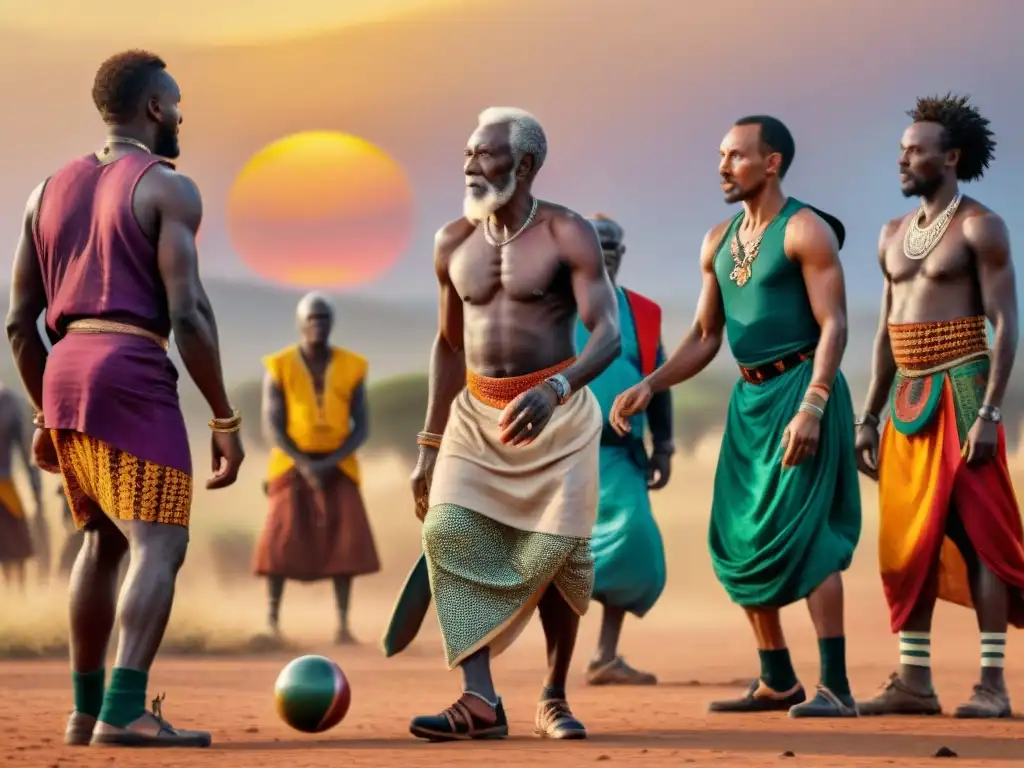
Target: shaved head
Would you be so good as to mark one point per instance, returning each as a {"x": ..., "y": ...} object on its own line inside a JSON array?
[
  {"x": 313, "y": 303},
  {"x": 315, "y": 318}
]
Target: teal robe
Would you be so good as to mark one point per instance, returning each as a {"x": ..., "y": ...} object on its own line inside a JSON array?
[{"x": 629, "y": 555}]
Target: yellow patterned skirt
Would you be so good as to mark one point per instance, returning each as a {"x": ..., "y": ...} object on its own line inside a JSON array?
[{"x": 101, "y": 479}]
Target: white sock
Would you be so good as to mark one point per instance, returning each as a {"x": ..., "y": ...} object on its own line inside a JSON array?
[
  {"x": 993, "y": 649},
  {"x": 916, "y": 649}
]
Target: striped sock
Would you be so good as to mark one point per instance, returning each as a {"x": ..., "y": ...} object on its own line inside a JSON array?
[
  {"x": 993, "y": 649},
  {"x": 916, "y": 649}
]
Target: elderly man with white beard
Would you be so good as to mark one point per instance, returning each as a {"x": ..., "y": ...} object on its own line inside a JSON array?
[{"x": 506, "y": 481}]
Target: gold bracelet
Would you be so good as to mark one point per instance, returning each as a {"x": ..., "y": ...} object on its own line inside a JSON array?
[
  {"x": 428, "y": 439},
  {"x": 38, "y": 420},
  {"x": 231, "y": 424}
]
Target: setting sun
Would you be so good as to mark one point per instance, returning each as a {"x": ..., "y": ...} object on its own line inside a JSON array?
[{"x": 320, "y": 209}]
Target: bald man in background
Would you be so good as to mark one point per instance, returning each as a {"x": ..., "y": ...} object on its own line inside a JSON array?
[{"x": 315, "y": 413}]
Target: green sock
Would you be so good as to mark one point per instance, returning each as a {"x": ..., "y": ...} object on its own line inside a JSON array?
[
  {"x": 125, "y": 700},
  {"x": 833, "y": 665},
  {"x": 777, "y": 670},
  {"x": 88, "y": 688}
]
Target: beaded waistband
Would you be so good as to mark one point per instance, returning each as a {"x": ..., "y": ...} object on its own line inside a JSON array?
[
  {"x": 498, "y": 393},
  {"x": 98, "y": 325},
  {"x": 920, "y": 349}
]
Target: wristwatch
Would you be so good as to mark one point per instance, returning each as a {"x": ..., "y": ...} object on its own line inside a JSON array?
[
  {"x": 990, "y": 413},
  {"x": 866, "y": 419},
  {"x": 560, "y": 384}
]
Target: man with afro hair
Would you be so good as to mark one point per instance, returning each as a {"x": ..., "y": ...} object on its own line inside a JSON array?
[{"x": 950, "y": 527}]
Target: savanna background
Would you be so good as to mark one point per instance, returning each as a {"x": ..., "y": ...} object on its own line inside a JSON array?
[{"x": 635, "y": 97}]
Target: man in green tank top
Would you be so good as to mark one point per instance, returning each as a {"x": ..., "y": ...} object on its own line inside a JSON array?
[{"x": 786, "y": 514}]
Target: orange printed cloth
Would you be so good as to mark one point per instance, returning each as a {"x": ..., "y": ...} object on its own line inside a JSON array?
[
  {"x": 100, "y": 479},
  {"x": 923, "y": 476}
]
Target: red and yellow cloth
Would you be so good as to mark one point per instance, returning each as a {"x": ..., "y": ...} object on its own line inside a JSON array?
[{"x": 942, "y": 374}]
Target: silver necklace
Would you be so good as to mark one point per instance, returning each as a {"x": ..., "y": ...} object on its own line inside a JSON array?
[
  {"x": 919, "y": 241},
  {"x": 126, "y": 140},
  {"x": 529, "y": 220}
]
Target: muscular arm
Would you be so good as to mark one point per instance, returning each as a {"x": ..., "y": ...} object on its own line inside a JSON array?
[
  {"x": 990, "y": 241},
  {"x": 595, "y": 298},
  {"x": 28, "y": 300},
  {"x": 812, "y": 244},
  {"x": 659, "y": 415},
  {"x": 702, "y": 342},
  {"x": 275, "y": 420},
  {"x": 181, "y": 211},
  {"x": 883, "y": 366},
  {"x": 447, "y": 357}
]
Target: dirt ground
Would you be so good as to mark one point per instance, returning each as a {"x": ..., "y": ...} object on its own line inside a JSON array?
[
  {"x": 698, "y": 644},
  {"x": 660, "y": 726}
]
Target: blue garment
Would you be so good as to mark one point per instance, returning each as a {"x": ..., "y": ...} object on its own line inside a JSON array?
[{"x": 629, "y": 555}]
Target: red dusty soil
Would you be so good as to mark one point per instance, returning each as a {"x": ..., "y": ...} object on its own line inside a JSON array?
[{"x": 661, "y": 726}]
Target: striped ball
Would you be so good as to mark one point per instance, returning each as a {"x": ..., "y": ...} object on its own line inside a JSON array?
[{"x": 312, "y": 694}]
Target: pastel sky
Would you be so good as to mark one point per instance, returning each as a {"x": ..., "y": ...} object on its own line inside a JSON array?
[
  {"x": 635, "y": 96},
  {"x": 199, "y": 21}
]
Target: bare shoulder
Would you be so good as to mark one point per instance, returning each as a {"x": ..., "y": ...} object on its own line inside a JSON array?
[
  {"x": 983, "y": 228},
  {"x": 448, "y": 238},
  {"x": 169, "y": 190},
  {"x": 34, "y": 199},
  {"x": 806, "y": 227},
  {"x": 891, "y": 228},
  {"x": 575, "y": 237},
  {"x": 712, "y": 240}
]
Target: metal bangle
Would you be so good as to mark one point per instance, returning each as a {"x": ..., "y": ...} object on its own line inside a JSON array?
[
  {"x": 812, "y": 409},
  {"x": 866, "y": 419}
]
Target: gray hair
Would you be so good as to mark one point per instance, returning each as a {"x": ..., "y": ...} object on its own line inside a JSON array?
[
  {"x": 308, "y": 302},
  {"x": 608, "y": 230},
  {"x": 525, "y": 132}
]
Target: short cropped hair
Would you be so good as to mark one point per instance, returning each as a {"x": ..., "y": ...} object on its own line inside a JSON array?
[{"x": 122, "y": 82}]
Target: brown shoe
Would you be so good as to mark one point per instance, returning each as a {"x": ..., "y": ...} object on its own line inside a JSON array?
[
  {"x": 986, "y": 702},
  {"x": 618, "y": 672},
  {"x": 897, "y": 698},
  {"x": 79, "y": 730},
  {"x": 150, "y": 730},
  {"x": 556, "y": 721},
  {"x": 760, "y": 698}
]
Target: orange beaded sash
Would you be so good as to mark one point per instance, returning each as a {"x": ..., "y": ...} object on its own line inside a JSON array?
[
  {"x": 920, "y": 349},
  {"x": 498, "y": 393}
]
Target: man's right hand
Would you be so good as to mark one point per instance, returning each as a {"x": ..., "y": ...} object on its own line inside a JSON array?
[
  {"x": 866, "y": 447},
  {"x": 227, "y": 456},
  {"x": 422, "y": 477},
  {"x": 44, "y": 452},
  {"x": 631, "y": 402}
]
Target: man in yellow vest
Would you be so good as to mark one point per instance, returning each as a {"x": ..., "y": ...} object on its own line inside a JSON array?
[{"x": 315, "y": 412}]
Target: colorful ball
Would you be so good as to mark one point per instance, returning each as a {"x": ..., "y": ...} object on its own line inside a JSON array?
[{"x": 312, "y": 694}]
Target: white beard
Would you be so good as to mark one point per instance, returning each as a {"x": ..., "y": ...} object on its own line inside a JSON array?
[{"x": 478, "y": 208}]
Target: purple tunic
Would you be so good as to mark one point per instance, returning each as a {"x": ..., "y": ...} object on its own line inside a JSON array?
[{"x": 98, "y": 263}]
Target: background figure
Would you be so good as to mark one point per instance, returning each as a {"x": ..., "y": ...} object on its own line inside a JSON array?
[
  {"x": 315, "y": 412},
  {"x": 16, "y": 544},
  {"x": 629, "y": 556}
]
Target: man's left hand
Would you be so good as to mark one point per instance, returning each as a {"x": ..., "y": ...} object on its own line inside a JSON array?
[
  {"x": 525, "y": 417},
  {"x": 800, "y": 439},
  {"x": 659, "y": 469},
  {"x": 982, "y": 442}
]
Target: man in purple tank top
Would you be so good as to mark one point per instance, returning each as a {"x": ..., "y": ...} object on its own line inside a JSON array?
[{"x": 108, "y": 251}]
